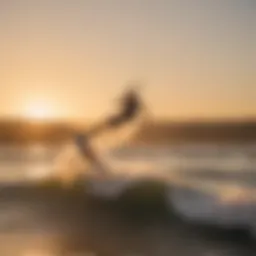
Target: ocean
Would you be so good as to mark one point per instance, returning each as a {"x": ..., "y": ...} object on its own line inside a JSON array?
[{"x": 189, "y": 199}]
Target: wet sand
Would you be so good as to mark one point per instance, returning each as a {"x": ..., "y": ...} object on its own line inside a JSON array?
[{"x": 48, "y": 220}]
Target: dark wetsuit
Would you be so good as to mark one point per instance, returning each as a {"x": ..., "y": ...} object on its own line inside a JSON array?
[{"x": 131, "y": 107}]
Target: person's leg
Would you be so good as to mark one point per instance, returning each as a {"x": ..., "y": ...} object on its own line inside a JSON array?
[{"x": 89, "y": 154}]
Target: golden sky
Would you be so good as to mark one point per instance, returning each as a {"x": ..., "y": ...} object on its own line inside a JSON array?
[{"x": 70, "y": 58}]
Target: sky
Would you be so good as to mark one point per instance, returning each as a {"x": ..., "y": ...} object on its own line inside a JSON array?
[{"x": 70, "y": 58}]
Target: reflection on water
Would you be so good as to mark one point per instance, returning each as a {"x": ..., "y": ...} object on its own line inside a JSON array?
[
  {"x": 205, "y": 184},
  {"x": 57, "y": 222},
  {"x": 204, "y": 158}
]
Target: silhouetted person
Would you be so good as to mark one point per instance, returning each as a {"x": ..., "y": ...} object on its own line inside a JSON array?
[{"x": 130, "y": 108}]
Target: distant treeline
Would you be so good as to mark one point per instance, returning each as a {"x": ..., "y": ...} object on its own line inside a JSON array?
[
  {"x": 22, "y": 132},
  {"x": 167, "y": 132},
  {"x": 155, "y": 133}
]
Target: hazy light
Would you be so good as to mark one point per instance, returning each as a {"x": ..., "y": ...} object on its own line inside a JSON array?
[
  {"x": 36, "y": 253},
  {"x": 38, "y": 110}
]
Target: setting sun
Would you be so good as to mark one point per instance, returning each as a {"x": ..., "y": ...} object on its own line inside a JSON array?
[{"x": 38, "y": 110}]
